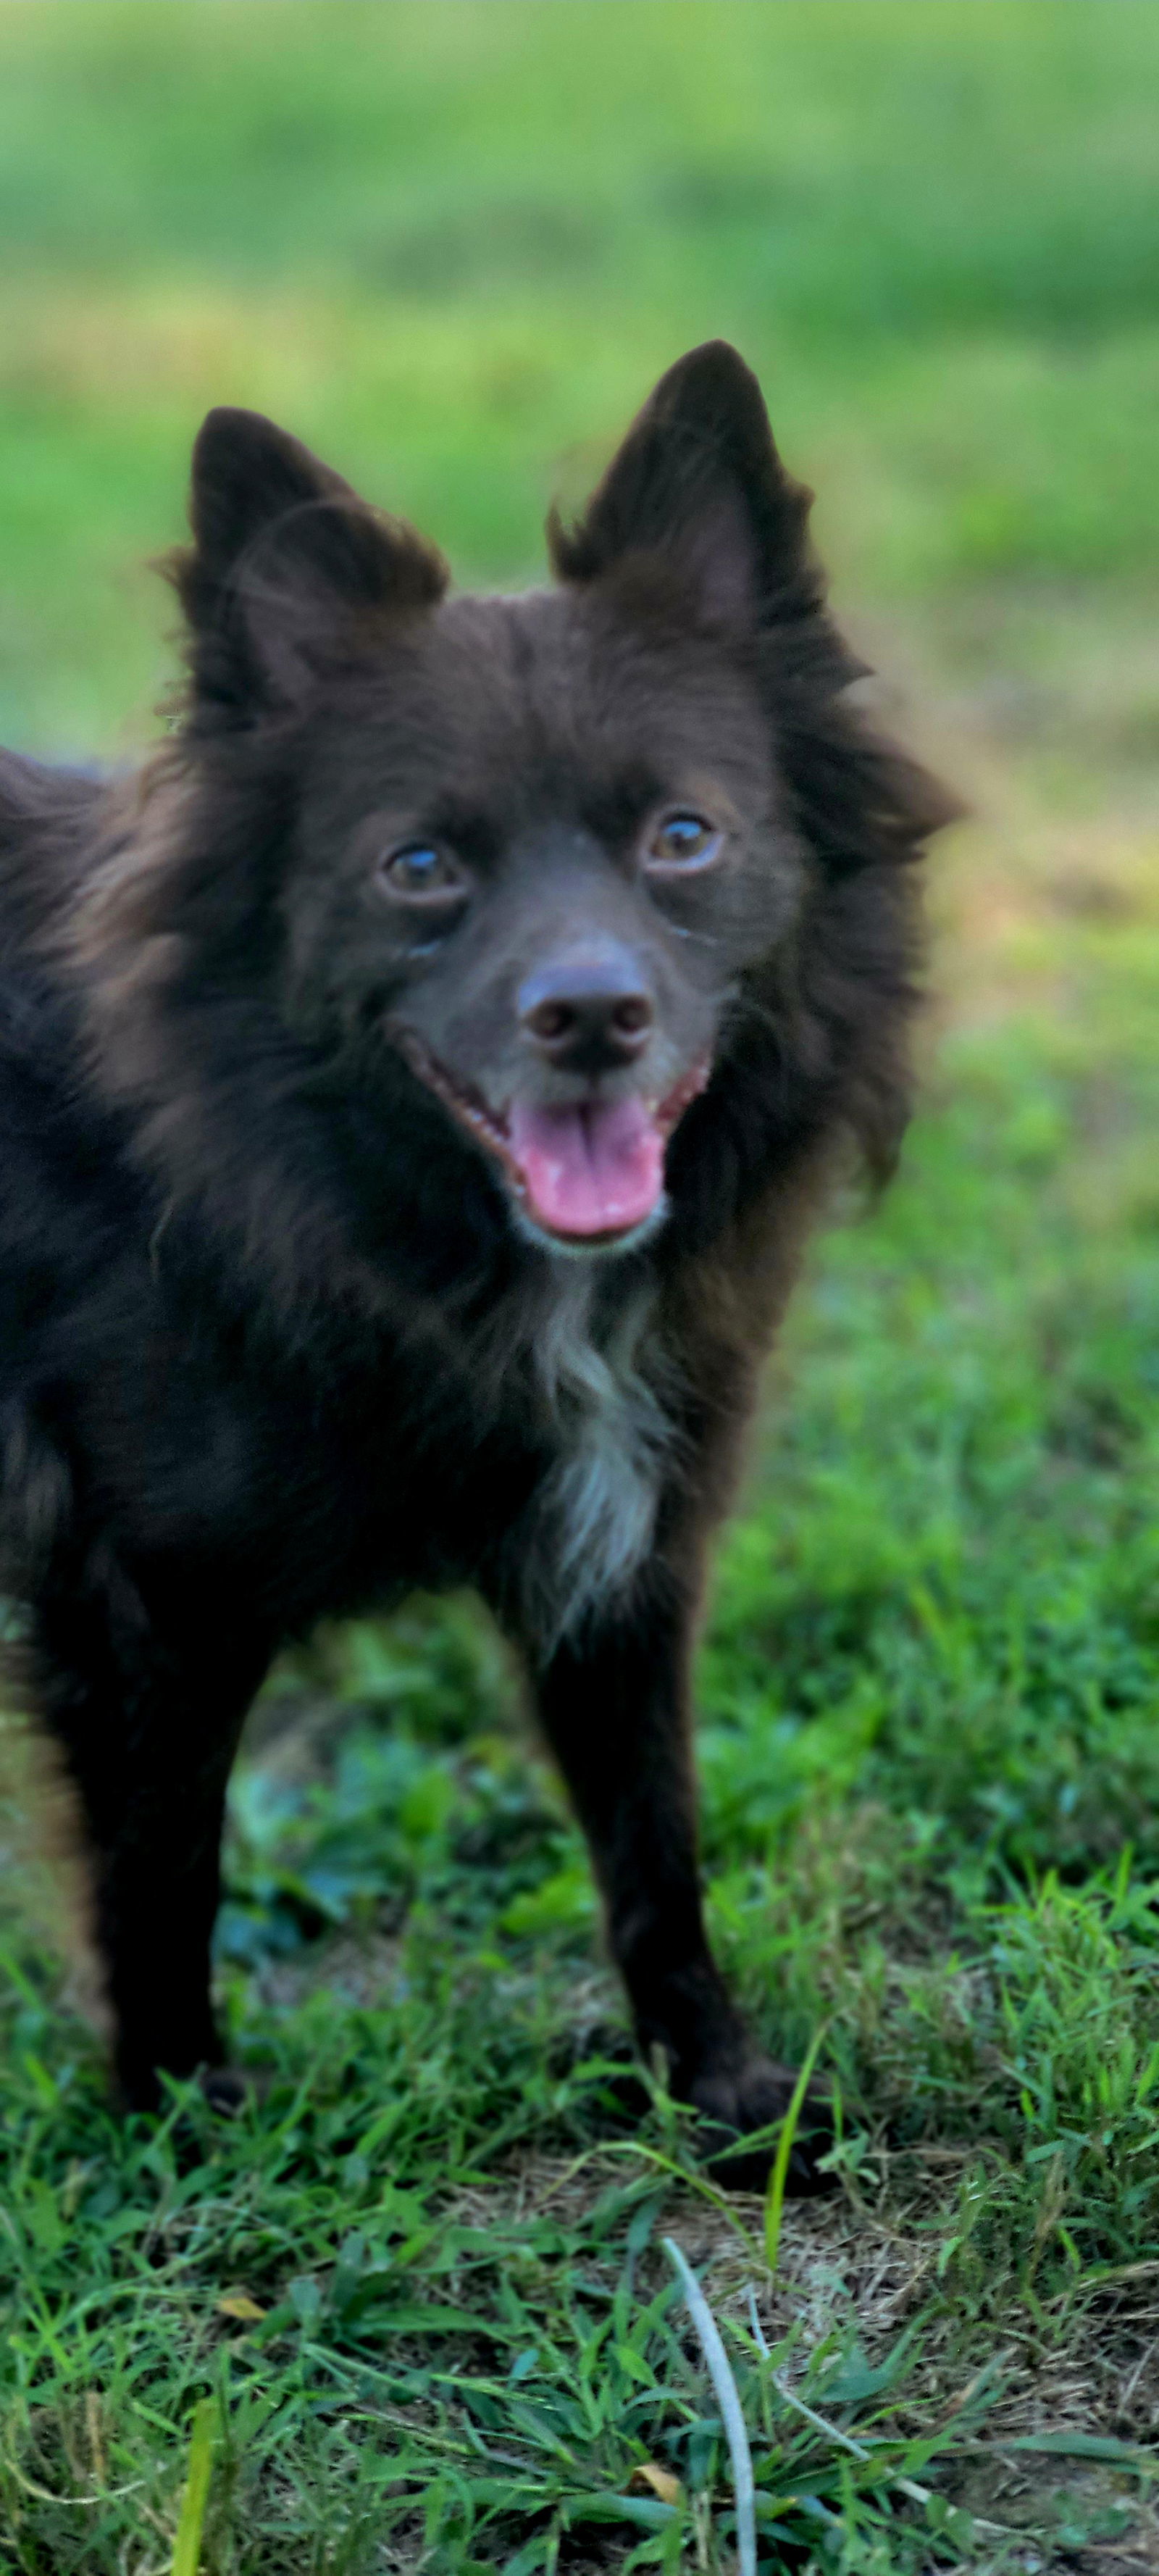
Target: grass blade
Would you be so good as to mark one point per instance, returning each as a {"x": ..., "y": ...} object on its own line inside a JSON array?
[
  {"x": 720, "y": 2373},
  {"x": 775, "y": 2194},
  {"x": 191, "y": 2520}
]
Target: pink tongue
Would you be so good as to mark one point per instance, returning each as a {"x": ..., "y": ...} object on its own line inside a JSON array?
[{"x": 592, "y": 1170}]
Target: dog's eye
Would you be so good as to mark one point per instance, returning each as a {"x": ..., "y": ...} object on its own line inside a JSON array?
[
  {"x": 421, "y": 873},
  {"x": 683, "y": 841}
]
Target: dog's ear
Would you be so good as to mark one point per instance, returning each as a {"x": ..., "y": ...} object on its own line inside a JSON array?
[
  {"x": 698, "y": 487},
  {"x": 288, "y": 568}
]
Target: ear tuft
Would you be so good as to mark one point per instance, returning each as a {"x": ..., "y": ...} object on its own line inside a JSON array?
[
  {"x": 698, "y": 485},
  {"x": 286, "y": 562}
]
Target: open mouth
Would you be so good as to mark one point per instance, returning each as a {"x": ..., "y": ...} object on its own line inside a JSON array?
[{"x": 585, "y": 1170}]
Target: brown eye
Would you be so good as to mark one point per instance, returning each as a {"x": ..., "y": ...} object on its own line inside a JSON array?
[
  {"x": 420, "y": 873},
  {"x": 683, "y": 841}
]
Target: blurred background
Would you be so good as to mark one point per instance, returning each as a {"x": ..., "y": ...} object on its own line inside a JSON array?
[{"x": 452, "y": 244}]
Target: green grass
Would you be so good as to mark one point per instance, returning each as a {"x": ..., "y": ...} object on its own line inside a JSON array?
[{"x": 412, "y": 2310}]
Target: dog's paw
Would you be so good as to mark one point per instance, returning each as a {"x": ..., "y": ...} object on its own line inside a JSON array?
[{"x": 735, "y": 2102}]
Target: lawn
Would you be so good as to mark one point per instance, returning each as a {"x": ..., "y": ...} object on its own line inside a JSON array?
[{"x": 413, "y": 2310}]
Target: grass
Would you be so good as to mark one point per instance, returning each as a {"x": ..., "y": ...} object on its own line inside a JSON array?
[{"x": 413, "y": 2309}]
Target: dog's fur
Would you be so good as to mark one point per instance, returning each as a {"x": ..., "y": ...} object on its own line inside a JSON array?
[{"x": 285, "y": 1327}]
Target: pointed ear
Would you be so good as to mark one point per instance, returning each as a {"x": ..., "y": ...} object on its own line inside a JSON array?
[
  {"x": 286, "y": 568},
  {"x": 698, "y": 486}
]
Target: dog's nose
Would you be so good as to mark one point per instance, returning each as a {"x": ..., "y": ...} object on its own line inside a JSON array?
[{"x": 589, "y": 1011}]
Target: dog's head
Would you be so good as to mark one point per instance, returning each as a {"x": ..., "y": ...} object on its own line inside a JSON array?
[{"x": 535, "y": 843}]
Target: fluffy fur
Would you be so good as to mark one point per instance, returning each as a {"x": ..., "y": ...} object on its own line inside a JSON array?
[{"x": 279, "y": 1337}]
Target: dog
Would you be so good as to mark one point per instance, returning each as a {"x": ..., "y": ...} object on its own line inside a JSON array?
[{"x": 418, "y": 1083}]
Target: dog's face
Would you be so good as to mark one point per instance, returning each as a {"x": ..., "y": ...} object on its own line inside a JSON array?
[
  {"x": 536, "y": 840},
  {"x": 533, "y": 856}
]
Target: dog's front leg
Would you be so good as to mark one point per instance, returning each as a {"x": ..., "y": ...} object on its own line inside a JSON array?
[{"x": 615, "y": 1706}]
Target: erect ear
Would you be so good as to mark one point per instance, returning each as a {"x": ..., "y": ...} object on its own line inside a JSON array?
[
  {"x": 699, "y": 487},
  {"x": 287, "y": 565}
]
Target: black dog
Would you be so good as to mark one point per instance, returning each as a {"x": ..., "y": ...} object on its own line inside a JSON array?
[{"x": 416, "y": 1088}]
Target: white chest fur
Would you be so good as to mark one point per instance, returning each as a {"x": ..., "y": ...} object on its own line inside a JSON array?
[{"x": 595, "y": 1514}]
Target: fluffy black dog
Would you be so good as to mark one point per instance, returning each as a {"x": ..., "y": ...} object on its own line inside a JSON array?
[{"x": 416, "y": 1087}]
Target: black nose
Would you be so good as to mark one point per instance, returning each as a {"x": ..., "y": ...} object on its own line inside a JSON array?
[{"x": 587, "y": 1011}]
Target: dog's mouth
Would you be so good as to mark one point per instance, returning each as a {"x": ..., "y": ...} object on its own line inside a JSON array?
[{"x": 590, "y": 1170}]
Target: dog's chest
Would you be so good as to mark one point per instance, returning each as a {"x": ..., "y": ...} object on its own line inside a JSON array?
[{"x": 594, "y": 1517}]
